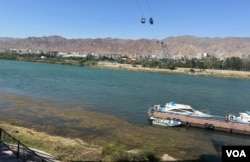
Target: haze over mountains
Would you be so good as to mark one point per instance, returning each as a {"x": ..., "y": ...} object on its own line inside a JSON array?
[{"x": 185, "y": 45}]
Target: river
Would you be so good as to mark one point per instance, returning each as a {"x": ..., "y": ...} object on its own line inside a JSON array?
[{"x": 124, "y": 94}]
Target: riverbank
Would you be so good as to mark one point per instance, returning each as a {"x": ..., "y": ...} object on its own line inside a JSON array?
[
  {"x": 187, "y": 71},
  {"x": 131, "y": 67},
  {"x": 66, "y": 149},
  {"x": 73, "y": 134}
]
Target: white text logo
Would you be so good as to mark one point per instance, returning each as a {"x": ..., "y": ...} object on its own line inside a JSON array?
[{"x": 236, "y": 153}]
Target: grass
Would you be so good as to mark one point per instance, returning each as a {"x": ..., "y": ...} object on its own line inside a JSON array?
[
  {"x": 115, "y": 151},
  {"x": 92, "y": 135},
  {"x": 66, "y": 149},
  {"x": 202, "y": 72}
]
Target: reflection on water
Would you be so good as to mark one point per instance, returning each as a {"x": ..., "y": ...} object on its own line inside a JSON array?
[{"x": 71, "y": 120}]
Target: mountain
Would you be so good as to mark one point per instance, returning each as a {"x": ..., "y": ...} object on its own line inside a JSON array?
[
  {"x": 219, "y": 47},
  {"x": 185, "y": 45}
]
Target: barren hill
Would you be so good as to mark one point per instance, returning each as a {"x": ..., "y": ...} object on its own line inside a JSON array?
[
  {"x": 219, "y": 47},
  {"x": 185, "y": 45}
]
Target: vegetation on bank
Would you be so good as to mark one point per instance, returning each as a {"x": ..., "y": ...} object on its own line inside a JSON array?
[
  {"x": 49, "y": 59},
  {"x": 231, "y": 63},
  {"x": 94, "y": 135},
  {"x": 66, "y": 149}
]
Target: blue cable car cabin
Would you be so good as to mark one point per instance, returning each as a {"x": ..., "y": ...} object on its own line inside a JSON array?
[
  {"x": 151, "y": 21},
  {"x": 143, "y": 20}
]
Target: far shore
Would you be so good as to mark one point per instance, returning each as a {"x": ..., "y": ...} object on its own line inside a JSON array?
[
  {"x": 178, "y": 70},
  {"x": 201, "y": 72}
]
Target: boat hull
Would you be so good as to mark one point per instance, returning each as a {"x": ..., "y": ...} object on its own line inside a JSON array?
[
  {"x": 166, "y": 122},
  {"x": 189, "y": 114}
]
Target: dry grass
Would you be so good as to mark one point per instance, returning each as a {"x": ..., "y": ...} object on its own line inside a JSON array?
[
  {"x": 206, "y": 72},
  {"x": 66, "y": 149}
]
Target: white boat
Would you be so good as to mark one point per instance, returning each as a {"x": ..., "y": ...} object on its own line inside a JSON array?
[
  {"x": 243, "y": 118},
  {"x": 166, "y": 122},
  {"x": 181, "y": 109}
]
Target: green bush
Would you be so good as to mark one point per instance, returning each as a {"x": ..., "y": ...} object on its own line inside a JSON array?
[
  {"x": 192, "y": 71},
  {"x": 116, "y": 152}
]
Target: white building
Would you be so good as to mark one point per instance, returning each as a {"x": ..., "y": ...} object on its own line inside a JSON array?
[{"x": 201, "y": 56}]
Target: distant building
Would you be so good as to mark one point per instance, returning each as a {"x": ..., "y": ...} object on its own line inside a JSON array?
[
  {"x": 13, "y": 51},
  {"x": 245, "y": 56},
  {"x": 53, "y": 53},
  {"x": 201, "y": 56}
]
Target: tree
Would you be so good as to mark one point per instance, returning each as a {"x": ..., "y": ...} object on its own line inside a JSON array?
[
  {"x": 201, "y": 65},
  {"x": 246, "y": 65},
  {"x": 213, "y": 63},
  {"x": 233, "y": 63}
]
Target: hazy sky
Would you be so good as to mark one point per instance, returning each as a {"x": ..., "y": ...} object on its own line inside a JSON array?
[{"x": 121, "y": 18}]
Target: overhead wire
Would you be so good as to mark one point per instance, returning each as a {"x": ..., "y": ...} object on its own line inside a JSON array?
[
  {"x": 149, "y": 8},
  {"x": 163, "y": 46},
  {"x": 152, "y": 15},
  {"x": 145, "y": 6},
  {"x": 160, "y": 49},
  {"x": 138, "y": 6}
]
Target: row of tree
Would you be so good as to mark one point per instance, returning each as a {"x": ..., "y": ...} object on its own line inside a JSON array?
[{"x": 231, "y": 63}]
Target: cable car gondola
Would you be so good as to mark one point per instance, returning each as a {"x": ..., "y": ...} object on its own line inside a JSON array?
[
  {"x": 151, "y": 21},
  {"x": 143, "y": 20}
]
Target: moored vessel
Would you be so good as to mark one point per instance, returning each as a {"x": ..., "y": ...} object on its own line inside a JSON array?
[
  {"x": 207, "y": 123},
  {"x": 166, "y": 122},
  {"x": 180, "y": 109},
  {"x": 243, "y": 118}
]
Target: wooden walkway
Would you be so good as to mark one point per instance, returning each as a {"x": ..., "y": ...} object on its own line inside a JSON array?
[
  {"x": 7, "y": 155},
  {"x": 206, "y": 123},
  {"x": 12, "y": 150}
]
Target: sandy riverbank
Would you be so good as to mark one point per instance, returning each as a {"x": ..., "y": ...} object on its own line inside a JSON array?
[{"x": 202, "y": 72}]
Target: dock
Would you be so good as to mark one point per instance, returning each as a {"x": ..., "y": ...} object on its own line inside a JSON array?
[{"x": 206, "y": 123}]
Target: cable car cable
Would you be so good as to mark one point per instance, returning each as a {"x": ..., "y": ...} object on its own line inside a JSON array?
[{"x": 143, "y": 19}]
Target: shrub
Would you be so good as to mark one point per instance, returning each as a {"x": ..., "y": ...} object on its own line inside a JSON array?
[{"x": 192, "y": 71}]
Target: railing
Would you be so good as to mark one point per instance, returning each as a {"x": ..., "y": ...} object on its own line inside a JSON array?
[{"x": 22, "y": 152}]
